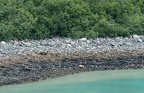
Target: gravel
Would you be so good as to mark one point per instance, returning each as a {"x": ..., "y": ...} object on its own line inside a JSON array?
[{"x": 67, "y": 45}]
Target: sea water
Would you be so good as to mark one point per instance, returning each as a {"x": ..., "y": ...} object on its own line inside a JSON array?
[{"x": 116, "y": 81}]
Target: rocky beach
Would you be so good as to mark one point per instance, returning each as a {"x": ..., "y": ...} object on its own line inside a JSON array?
[{"x": 32, "y": 60}]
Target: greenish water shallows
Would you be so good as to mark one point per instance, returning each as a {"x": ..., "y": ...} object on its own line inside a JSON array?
[{"x": 117, "y": 81}]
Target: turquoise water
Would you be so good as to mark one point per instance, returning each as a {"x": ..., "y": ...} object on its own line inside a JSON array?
[{"x": 117, "y": 81}]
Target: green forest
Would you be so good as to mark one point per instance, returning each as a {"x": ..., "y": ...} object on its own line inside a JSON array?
[{"x": 40, "y": 19}]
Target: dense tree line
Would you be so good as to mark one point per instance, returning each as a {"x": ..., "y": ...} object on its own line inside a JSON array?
[{"x": 39, "y": 19}]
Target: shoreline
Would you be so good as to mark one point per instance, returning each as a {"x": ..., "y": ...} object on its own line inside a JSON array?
[
  {"x": 32, "y": 60},
  {"x": 33, "y": 70}
]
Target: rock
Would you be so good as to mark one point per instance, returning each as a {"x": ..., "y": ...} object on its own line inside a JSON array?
[
  {"x": 81, "y": 66},
  {"x": 100, "y": 46},
  {"x": 140, "y": 40},
  {"x": 3, "y": 42},
  {"x": 28, "y": 44},
  {"x": 26, "y": 40},
  {"x": 129, "y": 44},
  {"x": 113, "y": 44},
  {"x": 51, "y": 44},
  {"x": 68, "y": 41},
  {"x": 43, "y": 53},
  {"x": 69, "y": 45},
  {"x": 44, "y": 43},
  {"x": 72, "y": 42},
  {"x": 135, "y": 36},
  {"x": 83, "y": 39}
]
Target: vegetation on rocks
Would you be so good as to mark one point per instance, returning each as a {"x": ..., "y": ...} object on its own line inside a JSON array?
[{"x": 39, "y": 19}]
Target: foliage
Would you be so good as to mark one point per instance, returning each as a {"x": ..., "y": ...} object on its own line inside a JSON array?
[{"x": 39, "y": 19}]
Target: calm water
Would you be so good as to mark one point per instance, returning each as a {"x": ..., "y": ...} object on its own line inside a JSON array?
[{"x": 118, "y": 81}]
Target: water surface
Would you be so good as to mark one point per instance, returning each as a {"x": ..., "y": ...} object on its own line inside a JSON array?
[{"x": 117, "y": 81}]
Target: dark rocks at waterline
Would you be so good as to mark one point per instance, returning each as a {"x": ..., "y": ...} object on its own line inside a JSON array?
[{"x": 37, "y": 70}]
